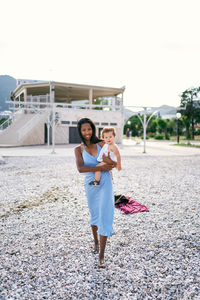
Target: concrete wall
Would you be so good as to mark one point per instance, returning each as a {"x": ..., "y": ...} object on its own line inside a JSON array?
[
  {"x": 98, "y": 116},
  {"x": 62, "y": 134},
  {"x": 36, "y": 135}
]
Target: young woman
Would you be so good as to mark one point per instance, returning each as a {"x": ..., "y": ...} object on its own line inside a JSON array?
[{"x": 101, "y": 200}]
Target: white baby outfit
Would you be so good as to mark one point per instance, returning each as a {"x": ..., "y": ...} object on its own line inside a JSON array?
[{"x": 104, "y": 150}]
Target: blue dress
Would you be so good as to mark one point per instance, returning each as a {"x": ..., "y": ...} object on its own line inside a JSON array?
[{"x": 100, "y": 199}]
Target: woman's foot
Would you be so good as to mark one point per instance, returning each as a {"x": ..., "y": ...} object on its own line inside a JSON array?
[
  {"x": 95, "y": 182},
  {"x": 96, "y": 249}
]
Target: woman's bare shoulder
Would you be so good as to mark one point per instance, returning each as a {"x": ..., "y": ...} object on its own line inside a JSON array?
[{"x": 78, "y": 149}]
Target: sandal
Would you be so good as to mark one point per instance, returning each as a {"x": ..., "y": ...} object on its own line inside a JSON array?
[
  {"x": 101, "y": 264},
  {"x": 95, "y": 182},
  {"x": 96, "y": 249}
]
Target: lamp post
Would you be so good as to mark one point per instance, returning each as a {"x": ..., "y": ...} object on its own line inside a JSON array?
[
  {"x": 178, "y": 116},
  {"x": 145, "y": 120},
  {"x": 145, "y": 124}
]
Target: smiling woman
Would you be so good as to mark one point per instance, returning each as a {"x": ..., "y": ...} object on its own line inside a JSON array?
[{"x": 101, "y": 199}]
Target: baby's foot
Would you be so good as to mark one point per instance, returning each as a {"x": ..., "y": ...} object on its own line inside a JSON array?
[{"x": 95, "y": 182}]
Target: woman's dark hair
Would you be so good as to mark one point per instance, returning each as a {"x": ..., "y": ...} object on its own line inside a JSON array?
[{"x": 94, "y": 139}]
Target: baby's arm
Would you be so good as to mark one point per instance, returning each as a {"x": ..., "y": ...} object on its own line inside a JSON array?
[{"x": 118, "y": 156}]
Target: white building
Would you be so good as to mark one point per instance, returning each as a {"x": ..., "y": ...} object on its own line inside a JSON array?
[{"x": 36, "y": 105}]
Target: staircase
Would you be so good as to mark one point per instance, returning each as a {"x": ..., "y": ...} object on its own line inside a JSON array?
[{"x": 25, "y": 129}]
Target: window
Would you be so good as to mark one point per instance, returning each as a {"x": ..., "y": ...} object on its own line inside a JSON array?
[
  {"x": 104, "y": 124},
  {"x": 113, "y": 124},
  {"x": 74, "y": 122},
  {"x": 65, "y": 122}
]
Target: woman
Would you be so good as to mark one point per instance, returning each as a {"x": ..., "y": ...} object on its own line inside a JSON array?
[{"x": 100, "y": 199}]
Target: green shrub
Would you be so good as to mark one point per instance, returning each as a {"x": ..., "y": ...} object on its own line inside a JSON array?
[
  {"x": 197, "y": 132},
  {"x": 2, "y": 121},
  {"x": 167, "y": 136},
  {"x": 159, "y": 137},
  {"x": 151, "y": 135}
]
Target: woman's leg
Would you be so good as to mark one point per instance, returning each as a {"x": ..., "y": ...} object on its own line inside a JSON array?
[
  {"x": 96, "y": 241},
  {"x": 103, "y": 240}
]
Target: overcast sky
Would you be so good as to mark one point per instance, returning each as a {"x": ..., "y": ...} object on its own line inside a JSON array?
[{"x": 152, "y": 47}]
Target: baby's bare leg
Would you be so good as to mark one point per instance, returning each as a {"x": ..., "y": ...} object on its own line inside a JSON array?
[{"x": 97, "y": 174}]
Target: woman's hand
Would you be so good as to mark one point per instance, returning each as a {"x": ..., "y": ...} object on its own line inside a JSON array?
[{"x": 107, "y": 160}]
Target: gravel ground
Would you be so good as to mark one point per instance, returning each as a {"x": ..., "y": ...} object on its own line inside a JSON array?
[{"x": 46, "y": 242}]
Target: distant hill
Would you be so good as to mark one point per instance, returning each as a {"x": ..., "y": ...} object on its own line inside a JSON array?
[
  {"x": 7, "y": 85},
  {"x": 166, "y": 111}
]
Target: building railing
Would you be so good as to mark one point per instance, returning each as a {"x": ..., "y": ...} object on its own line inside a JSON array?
[
  {"x": 34, "y": 106},
  {"x": 39, "y": 98},
  {"x": 39, "y": 107}
]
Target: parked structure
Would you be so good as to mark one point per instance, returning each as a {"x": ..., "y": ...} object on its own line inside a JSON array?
[{"x": 47, "y": 112}]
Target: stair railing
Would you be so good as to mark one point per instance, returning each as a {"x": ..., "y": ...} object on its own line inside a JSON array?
[
  {"x": 5, "y": 124},
  {"x": 9, "y": 121}
]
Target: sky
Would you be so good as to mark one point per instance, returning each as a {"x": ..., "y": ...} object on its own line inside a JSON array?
[{"x": 151, "y": 47}]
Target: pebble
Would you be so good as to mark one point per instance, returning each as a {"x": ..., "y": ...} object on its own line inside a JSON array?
[
  {"x": 46, "y": 242},
  {"x": 2, "y": 161}
]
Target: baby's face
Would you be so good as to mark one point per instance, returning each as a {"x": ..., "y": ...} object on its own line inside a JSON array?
[{"x": 109, "y": 137}]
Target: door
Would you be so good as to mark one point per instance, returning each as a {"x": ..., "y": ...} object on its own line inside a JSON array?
[
  {"x": 46, "y": 134},
  {"x": 74, "y": 137}
]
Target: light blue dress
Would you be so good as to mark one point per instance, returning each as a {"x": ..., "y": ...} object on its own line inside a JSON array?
[{"x": 100, "y": 198}]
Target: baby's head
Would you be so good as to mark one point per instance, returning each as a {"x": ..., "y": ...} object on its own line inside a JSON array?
[{"x": 108, "y": 134}]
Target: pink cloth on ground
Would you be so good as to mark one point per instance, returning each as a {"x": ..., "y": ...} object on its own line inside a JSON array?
[{"x": 131, "y": 207}]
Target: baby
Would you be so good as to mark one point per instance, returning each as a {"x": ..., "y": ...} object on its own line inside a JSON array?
[{"x": 108, "y": 134}]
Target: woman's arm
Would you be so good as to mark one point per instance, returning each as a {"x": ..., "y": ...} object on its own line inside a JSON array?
[
  {"x": 83, "y": 169},
  {"x": 108, "y": 160}
]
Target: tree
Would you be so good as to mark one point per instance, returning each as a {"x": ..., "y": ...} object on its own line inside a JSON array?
[
  {"x": 197, "y": 111},
  {"x": 171, "y": 126},
  {"x": 135, "y": 126},
  {"x": 152, "y": 126},
  {"x": 162, "y": 125},
  {"x": 191, "y": 109}
]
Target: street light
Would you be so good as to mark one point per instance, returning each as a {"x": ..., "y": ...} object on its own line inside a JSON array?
[
  {"x": 178, "y": 116},
  {"x": 145, "y": 124}
]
